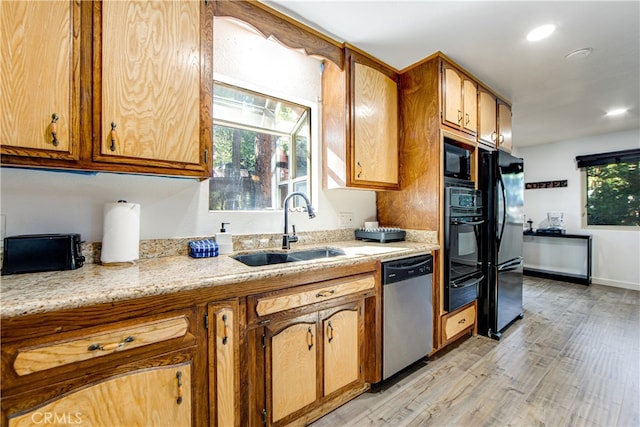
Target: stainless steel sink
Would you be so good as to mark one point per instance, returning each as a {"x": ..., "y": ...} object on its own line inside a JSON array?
[{"x": 267, "y": 258}]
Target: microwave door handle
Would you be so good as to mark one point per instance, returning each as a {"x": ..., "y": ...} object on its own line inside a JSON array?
[{"x": 467, "y": 283}]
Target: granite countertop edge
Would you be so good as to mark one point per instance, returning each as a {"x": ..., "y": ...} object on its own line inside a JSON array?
[{"x": 34, "y": 293}]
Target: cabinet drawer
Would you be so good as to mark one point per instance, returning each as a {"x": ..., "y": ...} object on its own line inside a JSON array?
[
  {"x": 458, "y": 322},
  {"x": 294, "y": 299},
  {"x": 50, "y": 355}
]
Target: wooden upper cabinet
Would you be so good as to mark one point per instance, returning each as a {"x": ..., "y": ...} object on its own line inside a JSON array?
[
  {"x": 39, "y": 72},
  {"x": 459, "y": 100},
  {"x": 360, "y": 124},
  {"x": 487, "y": 121},
  {"x": 152, "y": 78},
  {"x": 505, "y": 141}
]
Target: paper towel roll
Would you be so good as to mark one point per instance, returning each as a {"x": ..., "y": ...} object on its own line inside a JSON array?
[{"x": 121, "y": 232}]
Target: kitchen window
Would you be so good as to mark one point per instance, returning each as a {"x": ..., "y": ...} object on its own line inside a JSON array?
[
  {"x": 261, "y": 150},
  {"x": 612, "y": 188}
]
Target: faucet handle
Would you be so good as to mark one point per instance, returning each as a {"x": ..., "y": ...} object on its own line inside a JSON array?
[{"x": 294, "y": 229}]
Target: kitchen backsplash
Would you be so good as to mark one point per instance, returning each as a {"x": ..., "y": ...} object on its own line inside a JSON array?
[{"x": 245, "y": 242}]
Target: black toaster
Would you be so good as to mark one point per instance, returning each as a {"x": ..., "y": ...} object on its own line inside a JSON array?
[{"x": 42, "y": 252}]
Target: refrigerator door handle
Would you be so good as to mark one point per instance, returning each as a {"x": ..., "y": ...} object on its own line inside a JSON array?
[
  {"x": 511, "y": 265},
  {"x": 467, "y": 283},
  {"x": 503, "y": 194}
]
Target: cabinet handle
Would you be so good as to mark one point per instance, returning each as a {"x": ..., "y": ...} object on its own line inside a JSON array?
[
  {"x": 359, "y": 170},
  {"x": 54, "y": 130},
  {"x": 461, "y": 321},
  {"x": 114, "y": 136},
  {"x": 467, "y": 118},
  {"x": 179, "y": 378},
  {"x": 226, "y": 330},
  {"x": 330, "y": 332},
  {"x": 501, "y": 139},
  {"x": 493, "y": 136},
  {"x": 310, "y": 338},
  {"x": 109, "y": 347},
  {"x": 325, "y": 294},
  {"x": 459, "y": 116}
]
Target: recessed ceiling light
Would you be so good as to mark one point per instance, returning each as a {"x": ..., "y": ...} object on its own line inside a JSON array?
[
  {"x": 617, "y": 112},
  {"x": 541, "y": 32},
  {"x": 579, "y": 53}
]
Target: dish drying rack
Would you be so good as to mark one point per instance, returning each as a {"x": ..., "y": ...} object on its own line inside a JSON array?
[{"x": 380, "y": 234}]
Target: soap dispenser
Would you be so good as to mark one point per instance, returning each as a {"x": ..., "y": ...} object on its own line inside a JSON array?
[{"x": 224, "y": 240}]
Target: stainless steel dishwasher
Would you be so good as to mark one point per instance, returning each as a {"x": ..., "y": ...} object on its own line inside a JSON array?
[{"x": 407, "y": 312}]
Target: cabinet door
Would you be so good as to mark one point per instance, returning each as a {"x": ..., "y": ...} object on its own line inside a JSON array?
[
  {"x": 39, "y": 72},
  {"x": 504, "y": 127},
  {"x": 452, "y": 87},
  {"x": 487, "y": 132},
  {"x": 292, "y": 364},
  {"x": 154, "y": 396},
  {"x": 470, "y": 97},
  {"x": 224, "y": 377},
  {"x": 375, "y": 123},
  {"x": 342, "y": 340},
  {"x": 151, "y": 83}
]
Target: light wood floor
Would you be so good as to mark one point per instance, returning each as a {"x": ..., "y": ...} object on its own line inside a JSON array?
[{"x": 574, "y": 360}]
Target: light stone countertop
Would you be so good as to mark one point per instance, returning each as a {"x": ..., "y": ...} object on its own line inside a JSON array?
[{"x": 32, "y": 293}]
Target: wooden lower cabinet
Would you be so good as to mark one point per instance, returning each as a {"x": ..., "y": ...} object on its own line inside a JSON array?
[
  {"x": 311, "y": 362},
  {"x": 123, "y": 370},
  {"x": 459, "y": 322},
  {"x": 159, "y": 395},
  {"x": 224, "y": 375}
]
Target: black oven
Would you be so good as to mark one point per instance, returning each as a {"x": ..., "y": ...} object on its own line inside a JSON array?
[
  {"x": 457, "y": 161},
  {"x": 462, "y": 234}
]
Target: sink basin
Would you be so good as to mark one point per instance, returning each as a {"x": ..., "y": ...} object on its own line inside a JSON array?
[{"x": 267, "y": 258}]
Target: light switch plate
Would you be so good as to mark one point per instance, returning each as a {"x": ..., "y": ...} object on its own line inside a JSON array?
[{"x": 345, "y": 219}]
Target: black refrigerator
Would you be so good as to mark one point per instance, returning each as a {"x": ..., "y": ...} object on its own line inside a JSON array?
[{"x": 501, "y": 178}]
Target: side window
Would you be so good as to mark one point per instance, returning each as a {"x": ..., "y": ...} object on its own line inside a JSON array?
[
  {"x": 261, "y": 150},
  {"x": 612, "y": 188}
]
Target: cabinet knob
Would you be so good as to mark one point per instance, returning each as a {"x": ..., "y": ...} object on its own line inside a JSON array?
[
  {"x": 179, "y": 378},
  {"x": 54, "y": 130},
  {"x": 225, "y": 338},
  {"x": 310, "y": 338},
  {"x": 330, "y": 331},
  {"x": 114, "y": 137},
  {"x": 110, "y": 347}
]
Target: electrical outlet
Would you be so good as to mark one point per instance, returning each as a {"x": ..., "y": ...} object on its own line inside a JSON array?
[{"x": 346, "y": 219}]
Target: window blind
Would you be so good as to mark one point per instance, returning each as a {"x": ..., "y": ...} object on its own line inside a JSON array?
[{"x": 608, "y": 158}]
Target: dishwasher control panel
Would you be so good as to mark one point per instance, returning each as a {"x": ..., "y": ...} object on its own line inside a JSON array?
[{"x": 405, "y": 268}]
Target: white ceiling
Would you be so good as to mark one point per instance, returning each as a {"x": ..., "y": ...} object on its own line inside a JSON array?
[{"x": 554, "y": 99}]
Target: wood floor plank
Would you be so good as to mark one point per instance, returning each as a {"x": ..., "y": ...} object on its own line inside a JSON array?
[{"x": 574, "y": 360}]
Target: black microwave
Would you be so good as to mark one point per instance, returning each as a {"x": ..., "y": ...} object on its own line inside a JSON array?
[{"x": 457, "y": 161}]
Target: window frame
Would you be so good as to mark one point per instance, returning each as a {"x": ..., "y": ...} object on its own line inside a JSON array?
[
  {"x": 311, "y": 114},
  {"x": 584, "y": 203}
]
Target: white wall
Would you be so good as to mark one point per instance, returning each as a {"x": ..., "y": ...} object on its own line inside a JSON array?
[
  {"x": 35, "y": 201},
  {"x": 616, "y": 252}
]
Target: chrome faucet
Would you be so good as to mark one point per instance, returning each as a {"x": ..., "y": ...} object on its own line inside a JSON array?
[{"x": 286, "y": 238}]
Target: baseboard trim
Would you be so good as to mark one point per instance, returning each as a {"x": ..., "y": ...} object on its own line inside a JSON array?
[{"x": 616, "y": 283}]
